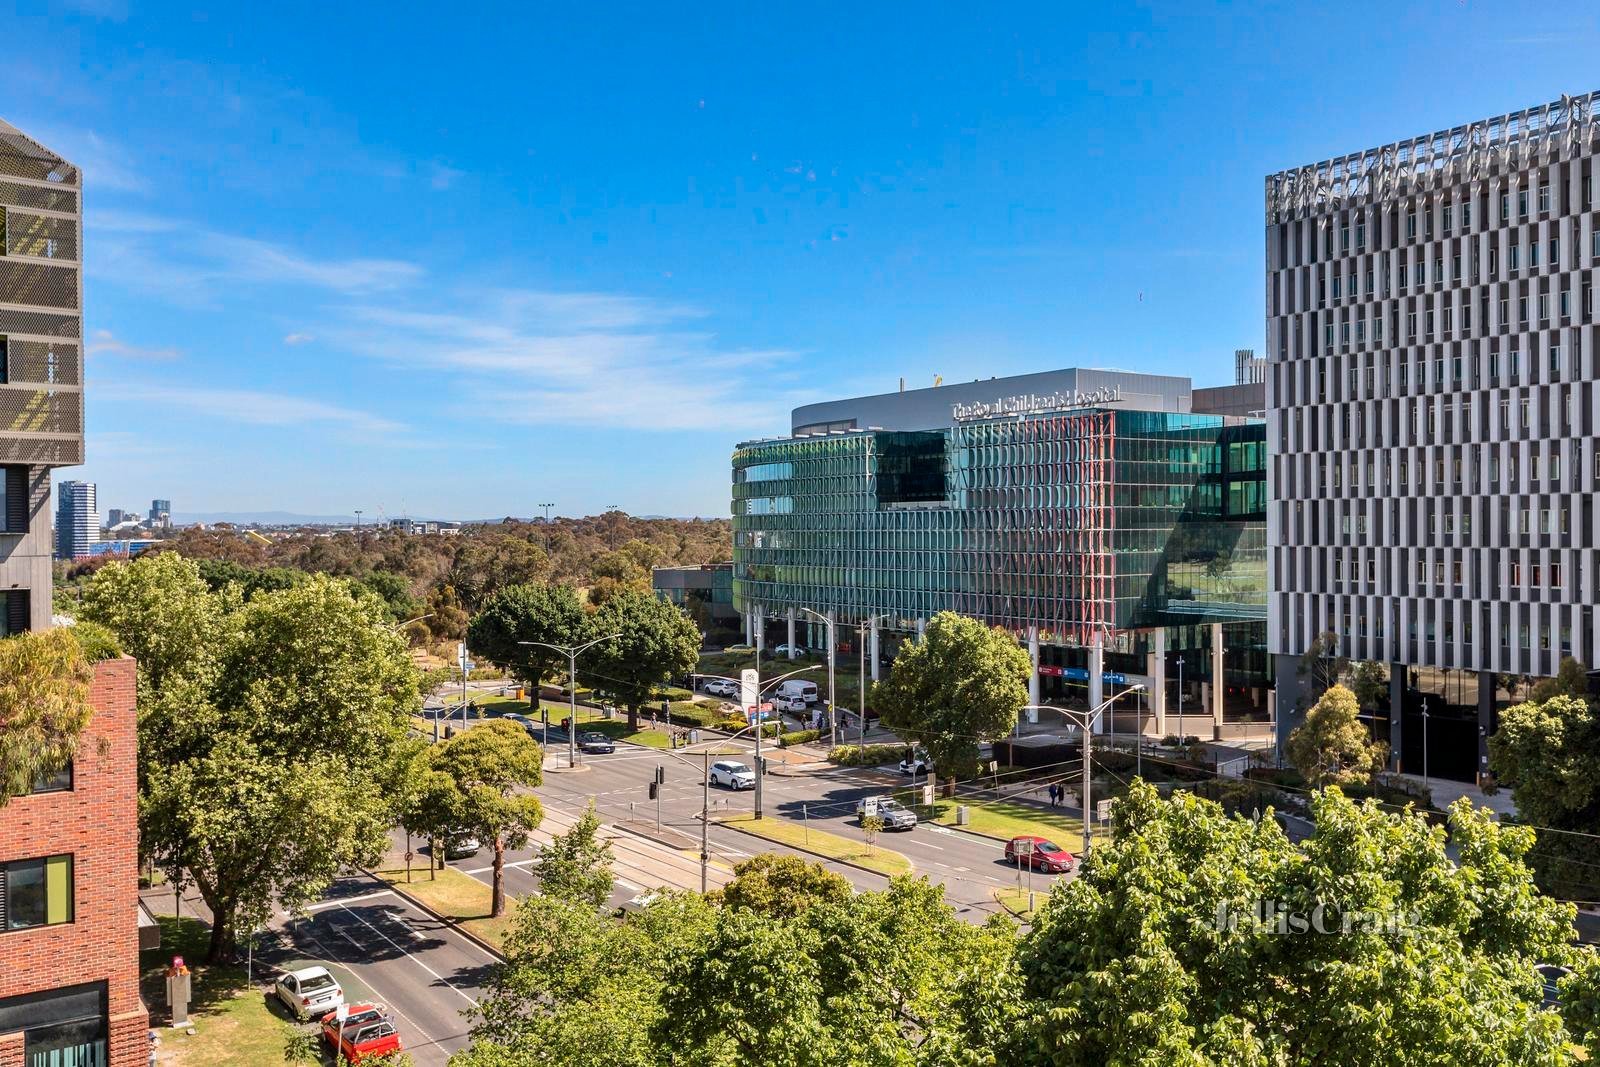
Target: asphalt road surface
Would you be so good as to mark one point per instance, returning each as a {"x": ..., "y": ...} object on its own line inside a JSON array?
[{"x": 382, "y": 948}]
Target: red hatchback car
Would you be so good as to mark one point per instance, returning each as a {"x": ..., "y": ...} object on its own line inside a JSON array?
[
  {"x": 367, "y": 1032},
  {"x": 1043, "y": 854}
]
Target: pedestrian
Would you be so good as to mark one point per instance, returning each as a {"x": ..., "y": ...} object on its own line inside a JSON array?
[{"x": 1055, "y": 795}]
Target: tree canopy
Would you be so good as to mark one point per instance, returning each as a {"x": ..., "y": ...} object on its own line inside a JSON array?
[
  {"x": 44, "y": 706},
  {"x": 548, "y": 613},
  {"x": 267, "y": 730},
  {"x": 656, "y": 642},
  {"x": 963, "y": 683},
  {"x": 488, "y": 768},
  {"x": 1548, "y": 753},
  {"x": 1194, "y": 938},
  {"x": 783, "y": 885},
  {"x": 1332, "y": 746},
  {"x": 576, "y": 865}
]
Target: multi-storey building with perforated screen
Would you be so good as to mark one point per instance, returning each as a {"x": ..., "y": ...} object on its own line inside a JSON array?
[
  {"x": 1431, "y": 416},
  {"x": 1096, "y": 514},
  {"x": 41, "y": 363}
]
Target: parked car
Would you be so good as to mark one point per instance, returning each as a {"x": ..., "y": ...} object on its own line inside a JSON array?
[
  {"x": 459, "y": 844},
  {"x": 360, "y": 1015},
  {"x": 590, "y": 741},
  {"x": 895, "y": 815},
  {"x": 1042, "y": 854},
  {"x": 799, "y": 687},
  {"x": 356, "y": 1042},
  {"x": 784, "y": 650},
  {"x": 310, "y": 992},
  {"x": 739, "y": 650},
  {"x": 721, "y": 687},
  {"x": 524, "y": 722},
  {"x": 794, "y": 704},
  {"x": 916, "y": 763},
  {"x": 732, "y": 774}
]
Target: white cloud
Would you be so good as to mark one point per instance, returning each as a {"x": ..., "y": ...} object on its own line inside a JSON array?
[
  {"x": 105, "y": 343},
  {"x": 607, "y": 359},
  {"x": 298, "y": 339},
  {"x": 189, "y": 263},
  {"x": 256, "y": 408}
]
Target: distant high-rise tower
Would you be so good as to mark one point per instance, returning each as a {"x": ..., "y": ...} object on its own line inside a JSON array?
[
  {"x": 160, "y": 514},
  {"x": 41, "y": 363},
  {"x": 1247, "y": 369},
  {"x": 77, "y": 521}
]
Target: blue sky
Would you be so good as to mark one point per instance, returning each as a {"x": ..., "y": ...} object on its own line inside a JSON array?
[{"x": 345, "y": 256}]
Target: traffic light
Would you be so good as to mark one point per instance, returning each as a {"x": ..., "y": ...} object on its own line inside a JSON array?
[
  {"x": 661, "y": 776},
  {"x": 655, "y": 790}
]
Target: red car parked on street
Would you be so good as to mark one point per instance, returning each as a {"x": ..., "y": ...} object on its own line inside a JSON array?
[
  {"x": 1043, "y": 854},
  {"x": 367, "y": 1031}
]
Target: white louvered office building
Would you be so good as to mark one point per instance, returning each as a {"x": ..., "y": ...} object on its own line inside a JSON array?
[{"x": 1432, "y": 408}]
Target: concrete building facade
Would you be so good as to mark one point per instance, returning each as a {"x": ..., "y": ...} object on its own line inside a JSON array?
[
  {"x": 1432, "y": 410},
  {"x": 41, "y": 362}
]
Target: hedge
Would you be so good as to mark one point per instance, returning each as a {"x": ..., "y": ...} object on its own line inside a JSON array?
[
  {"x": 798, "y": 737},
  {"x": 871, "y": 756},
  {"x": 687, "y": 711},
  {"x": 673, "y": 693},
  {"x": 733, "y": 726}
]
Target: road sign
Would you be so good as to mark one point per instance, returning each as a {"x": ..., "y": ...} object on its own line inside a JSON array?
[
  {"x": 750, "y": 713},
  {"x": 1079, "y": 674}
]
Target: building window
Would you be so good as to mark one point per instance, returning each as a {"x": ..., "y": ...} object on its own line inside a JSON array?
[
  {"x": 61, "y": 1027},
  {"x": 54, "y": 782},
  {"x": 1522, "y": 203},
  {"x": 36, "y": 893},
  {"x": 1544, "y": 197}
]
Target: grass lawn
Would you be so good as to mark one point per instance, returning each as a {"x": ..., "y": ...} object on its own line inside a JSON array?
[
  {"x": 794, "y": 834},
  {"x": 1016, "y": 901},
  {"x": 1005, "y": 820},
  {"x": 231, "y": 1024},
  {"x": 456, "y": 896}
]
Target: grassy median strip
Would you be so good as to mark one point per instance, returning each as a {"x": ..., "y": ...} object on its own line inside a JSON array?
[
  {"x": 1016, "y": 901},
  {"x": 231, "y": 1023},
  {"x": 1005, "y": 820},
  {"x": 456, "y": 896},
  {"x": 794, "y": 834}
]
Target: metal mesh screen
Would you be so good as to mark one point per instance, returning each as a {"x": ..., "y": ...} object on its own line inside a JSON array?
[
  {"x": 41, "y": 451},
  {"x": 47, "y": 362},
  {"x": 38, "y": 235},
  {"x": 38, "y": 323},
  {"x": 34, "y": 283},
  {"x": 27, "y": 410},
  {"x": 51, "y": 199}
]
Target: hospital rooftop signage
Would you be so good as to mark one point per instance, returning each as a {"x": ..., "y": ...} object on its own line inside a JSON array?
[{"x": 1033, "y": 403}]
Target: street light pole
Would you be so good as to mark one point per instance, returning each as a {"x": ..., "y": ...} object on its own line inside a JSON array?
[
  {"x": 547, "y": 508},
  {"x": 1426, "y": 785},
  {"x": 1180, "y": 700},
  {"x": 833, "y": 732},
  {"x": 1086, "y": 724},
  {"x": 571, "y": 652},
  {"x": 760, "y": 722},
  {"x": 861, "y": 734}
]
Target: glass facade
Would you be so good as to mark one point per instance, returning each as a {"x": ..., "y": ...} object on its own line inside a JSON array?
[{"x": 1074, "y": 521}]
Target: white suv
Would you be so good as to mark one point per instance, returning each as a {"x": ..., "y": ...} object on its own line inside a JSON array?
[
  {"x": 733, "y": 775},
  {"x": 310, "y": 992},
  {"x": 721, "y": 687}
]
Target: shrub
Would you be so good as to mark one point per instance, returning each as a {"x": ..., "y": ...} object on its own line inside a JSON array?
[
  {"x": 98, "y": 643},
  {"x": 1115, "y": 761},
  {"x": 1171, "y": 741},
  {"x": 672, "y": 693},
  {"x": 685, "y": 712},
  {"x": 871, "y": 756},
  {"x": 733, "y": 726},
  {"x": 798, "y": 737}
]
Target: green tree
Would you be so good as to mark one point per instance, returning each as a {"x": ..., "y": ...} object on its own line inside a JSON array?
[
  {"x": 518, "y": 613},
  {"x": 395, "y": 592},
  {"x": 1571, "y": 680},
  {"x": 489, "y": 767},
  {"x": 162, "y": 612},
  {"x": 1322, "y": 666},
  {"x": 783, "y": 885},
  {"x": 44, "y": 706},
  {"x": 1549, "y": 755},
  {"x": 1166, "y": 949},
  {"x": 576, "y": 865},
  {"x": 1580, "y": 1001},
  {"x": 449, "y": 617},
  {"x": 1331, "y": 747},
  {"x": 485, "y": 565},
  {"x": 963, "y": 683},
  {"x": 656, "y": 643},
  {"x": 265, "y": 748},
  {"x": 615, "y": 573},
  {"x": 1369, "y": 681}
]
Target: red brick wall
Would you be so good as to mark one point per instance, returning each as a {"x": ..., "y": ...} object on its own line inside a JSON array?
[{"x": 97, "y": 823}]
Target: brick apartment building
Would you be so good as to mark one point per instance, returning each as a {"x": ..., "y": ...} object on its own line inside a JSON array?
[{"x": 69, "y": 901}]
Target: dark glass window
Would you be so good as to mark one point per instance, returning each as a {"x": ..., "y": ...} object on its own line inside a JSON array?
[
  {"x": 36, "y": 893},
  {"x": 55, "y": 782}
]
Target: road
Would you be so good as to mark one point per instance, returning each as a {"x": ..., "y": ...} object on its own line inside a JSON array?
[{"x": 382, "y": 948}]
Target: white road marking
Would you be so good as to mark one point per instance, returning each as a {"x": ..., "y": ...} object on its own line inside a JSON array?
[
  {"x": 408, "y": 956},
  {"x": 349, "y": 900},
  {"x": 976, "y": 837},
  {"x": 508, "y": 866},
  {"x": 350, "y": 970}
]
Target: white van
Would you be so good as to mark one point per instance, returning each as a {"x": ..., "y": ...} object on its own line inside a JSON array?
[{"x": 798, "y": 687}]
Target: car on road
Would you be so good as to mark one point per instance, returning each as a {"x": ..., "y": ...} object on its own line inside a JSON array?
[
  {"x": 799, "y": 687},
  {"x": 794, "y": 704},
  {"x": 732, "y": 774},
  {"x": 784, "y": 650},
  {"x": 895, "y": 815},
  {"x": 916, "y": 763},
  {"x": 740, "y": 649},
  {"x": 359, "y": 1015},
  {"x": 459, "y": 844},
  {"x": 721, "y": 687},
  {"x": 524, "y": 722},
  {"x": 591, "y": 741},
  {"x": 1042, "y": 854},
  {"x": 355, "y": 1042},
  {"x": 310, "y": 992}
]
